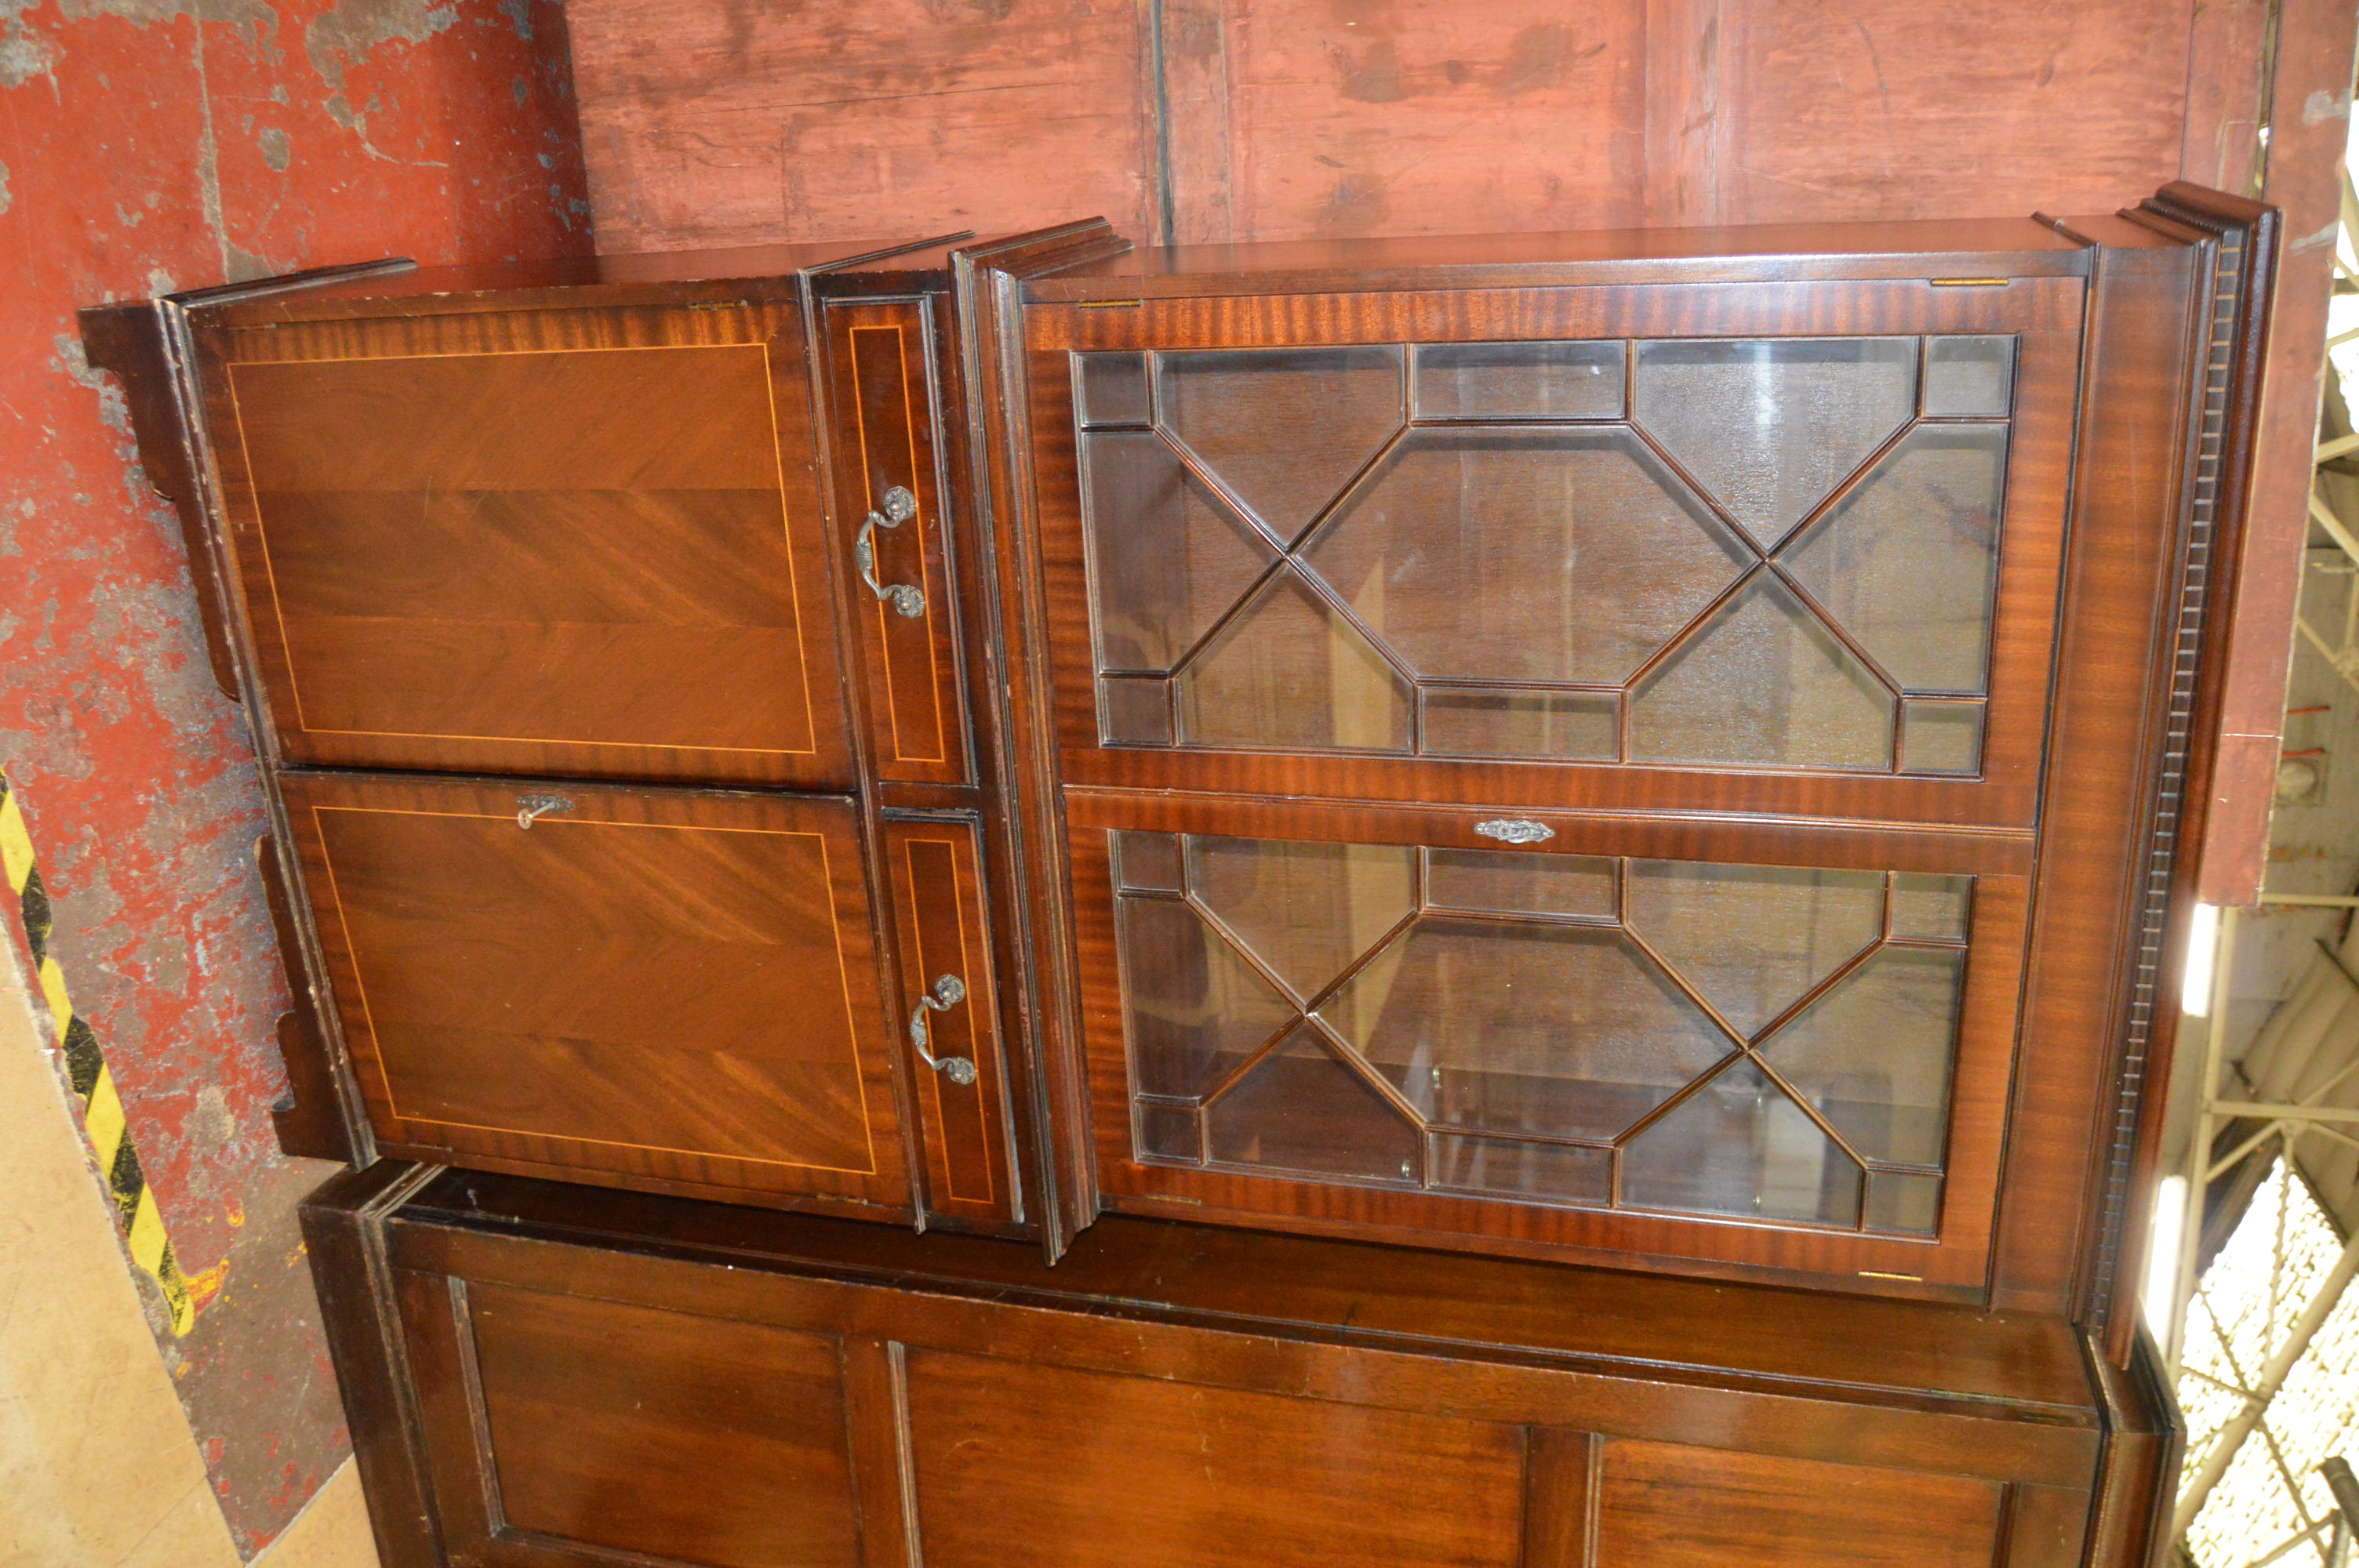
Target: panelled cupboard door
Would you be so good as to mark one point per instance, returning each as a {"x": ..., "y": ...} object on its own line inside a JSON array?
[
  {"x": 1775, "y": 1047},
  {"x": 564, "y": 1430},
  {"x": 665, "y": 987},
  {"x": 1786, "y": 547},
  {"x": 883, "y": 402},
  {"x": 528, "y": 541}
]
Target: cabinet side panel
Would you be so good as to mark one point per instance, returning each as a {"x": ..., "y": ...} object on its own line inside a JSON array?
[{"x": 2103, "y": 737}]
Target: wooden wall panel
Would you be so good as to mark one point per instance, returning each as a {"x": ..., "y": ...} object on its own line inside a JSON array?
[
  {"x": 1406, "y": 117},
  {"x": 712, "y": 122},
  {"x": 1895, "y": 108},
  {"x": 732, "y": 122}
]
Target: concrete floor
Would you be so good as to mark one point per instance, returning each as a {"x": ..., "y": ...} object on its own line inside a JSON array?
[{"x": 99, "y": 1467}]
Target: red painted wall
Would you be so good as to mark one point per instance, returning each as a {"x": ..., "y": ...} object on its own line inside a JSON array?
[{"x": 143, "y": 150}]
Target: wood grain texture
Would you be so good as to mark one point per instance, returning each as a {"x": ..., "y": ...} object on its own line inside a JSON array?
[
  {"x": 2310, "y": 124},
  {"x": 579, "y": 1429},
  {"x": 939, "y": 916},
  {"x": 1194, "y": 1475},
  {"x": 1660, "y": 1503},
  {"x": 668, "y": 985},
  {"x": 1184, "y": 1395},
  {"x": 2109, "y": 705},
  {"x": 708, "y": 121},
  {"x": 884, "y": 414},
  {"x": 736, "y": 124},
  {"x": 1905, "y": 1354},
  {"x": 522, "y": 541}
]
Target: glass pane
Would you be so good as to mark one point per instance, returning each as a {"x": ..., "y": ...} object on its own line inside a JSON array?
[
  {"x": 1195, "y": 1011},
  {"x": 1113, "y": 388},
  {"x": 1549, "y": 554},
  {"x": 1940, "y": 737},
  {"x": 1534, "y": 1172},
  {"x": 1739, "y": 1146},
  {"x": 1874, "y": 1053},
  {"x": 1572, "y": 725},
  {"x": 1291, "y": 674},
  {"x": 1763, "y": 684},
  {"x": 1968, "y": 376},
  {"x": 1301, "y": 1109},
  {"x": 1306, "y": 911},
  {"x": 1754, "y": 939},
  {"x": 1497, "y": 1027},
  {"x": 1904, "y": 1202},
  {"x": 1166, "y": 558},
  {"x": 1168, "y": 1133},
  {"x": 1134, "y": 710},
  {"x": 1906, "y": 562},
  {"x": 1931, "y": 907},
  {"x": 1770, "y": 427},
  {"x": 1520, "y": 381},
  {"x": 1148, "y": 861},
  {"x": 1503, "y": 882},
  {"x": 1284, "y": 429}
]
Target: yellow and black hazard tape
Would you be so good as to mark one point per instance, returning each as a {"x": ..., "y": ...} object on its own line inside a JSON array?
[{"x": 101, "y": 1114}]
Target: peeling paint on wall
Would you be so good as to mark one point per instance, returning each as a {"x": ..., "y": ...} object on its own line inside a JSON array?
[{"x": 148, "y": 146}]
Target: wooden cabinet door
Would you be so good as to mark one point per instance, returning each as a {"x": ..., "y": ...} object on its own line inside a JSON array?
[
  {"x": 662, "y": 987},
  {"x": 883, "y": 402},
  {"x": 570, "y": 1431},
  {"x": 532, "y": 541}
]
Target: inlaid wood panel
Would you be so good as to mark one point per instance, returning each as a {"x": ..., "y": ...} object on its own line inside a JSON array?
[
  {"x": 1114, "y": 1472},
  {"x": 524, "y": 543},
  {"x": 576, "y": 1428},
  {"x": 939, "y": 917},
  {"x": 654, "y": 985},
  {"x": 884, "y": 416}
]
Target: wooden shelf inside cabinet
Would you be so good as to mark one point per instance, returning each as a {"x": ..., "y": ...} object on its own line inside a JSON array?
[
  {"x": 1657, "y": 749},
  {"x": 1174, "y": 1395}
]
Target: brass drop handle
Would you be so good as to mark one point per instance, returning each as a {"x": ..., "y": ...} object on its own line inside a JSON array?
[
  {"x": 948, "y": 992},
  {"x": 531, "y": 805},
  {"x": 899, "y": 507}
]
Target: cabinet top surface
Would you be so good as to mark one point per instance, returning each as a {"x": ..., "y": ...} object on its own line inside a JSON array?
[
  {"x": 1300, "y": 1287},
  {"x": 653, "y": 278},
  {"x": 2008, "y": 246}
]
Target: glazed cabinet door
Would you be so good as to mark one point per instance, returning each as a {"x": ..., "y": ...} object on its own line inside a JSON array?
[
  {"x": 657, "y": 988},
  {"x": 531, "y": 541},
  {"x": 1558, "y": 768},
  {"x": 1770, "y": 1047},
  {"x": 1764, "y": 548}
]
